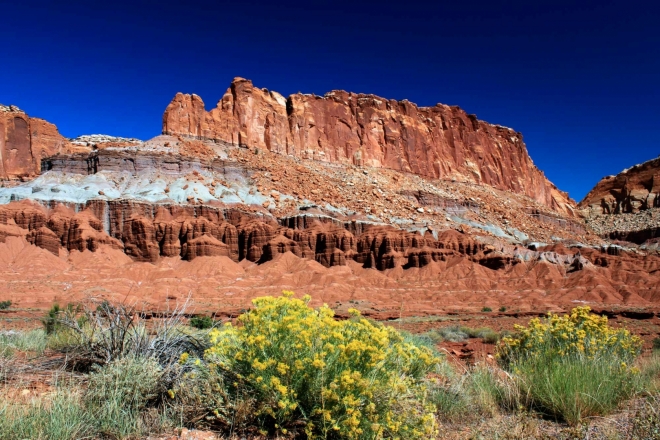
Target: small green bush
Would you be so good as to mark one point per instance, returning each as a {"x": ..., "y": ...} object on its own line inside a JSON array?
[
  {"x": 201, "y": 322},
  {"x": 119, "y": 392},
  {"x": 502, "y": 309},
  {"x": 486, "y": 309},
  {"x": 656, "y": 343},
  {"x": 51, "y": 320},
  {"x": 5, "y": 304},
  {"x": 304, "y": 370}
]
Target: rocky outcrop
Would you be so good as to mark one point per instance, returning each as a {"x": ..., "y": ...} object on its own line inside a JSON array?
[
  {"x": 24, "y": 142},
  {"x": 632, "y": 190},
  {"x": 626, "y": 207},
  {"x": 436, "y": 142}
]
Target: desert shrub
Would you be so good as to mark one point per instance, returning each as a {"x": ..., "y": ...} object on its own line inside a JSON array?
[
  {"x": 201, "y": 322},
  {"x": 451, "y": 334},
  {"x": 119, "y": 393},
  {"x": 502, "y": 309},
  {"x": 60, "y": 417},
  {"x": 5, "y": 304},
  {"x": 50, "y": 320},
  {"x": 656, "y": 343},
  {"x": 459, "y": 334},
  {"x": 489, "y": 335},
  {"x": 339, "y": 379},
  {"x": 573, "y": 366},
  {"x": 97, "y": 334},
  {"x": 486, "y": 309}
]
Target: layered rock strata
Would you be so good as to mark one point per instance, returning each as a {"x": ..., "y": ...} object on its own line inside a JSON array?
[
  {"x": 147, "y": 232},
  {"x": 347, "y": 128}
]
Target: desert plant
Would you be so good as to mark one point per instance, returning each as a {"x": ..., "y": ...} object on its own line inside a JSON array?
[
  {"x": 97, "y": 334},
  {"x": 452, "y": 334},
  {"x": 503, "y": 309},
  {"x": 486, "y": 309},
  {"x": 51, "y": 319},
  {"x": 59, "y": 417},
  {"x": 646, "y": 419},
  {"x": 489, "y": 335},
  {"x": 574, "y": 366},
  {"x": 339, "y": 379},
  {"x": 33, "y": 341},
  {"x": 201, "y": 322},
  {"x": 5, "y": 304},
  {"x": 119, "y": 392},
  {"x": 656, "y": 343}
]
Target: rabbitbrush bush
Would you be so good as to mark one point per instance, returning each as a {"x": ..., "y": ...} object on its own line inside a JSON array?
[
  {"x": 333, "y": 379},
  {"x": 572, "y": 366}
]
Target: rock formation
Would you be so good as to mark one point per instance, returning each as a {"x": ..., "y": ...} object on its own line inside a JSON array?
[
  {"x": 356, "y": 129},
  {"x": 632, "y": 190},
  {"x": 24, "y": 142},
  {"x": 626, "y": 206}
]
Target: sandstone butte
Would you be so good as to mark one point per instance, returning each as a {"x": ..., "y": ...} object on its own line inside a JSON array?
[{"x": 348, "y": 128}]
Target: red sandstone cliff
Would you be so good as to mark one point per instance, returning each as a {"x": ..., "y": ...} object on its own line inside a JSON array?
[
  {"x": 341, "y": 127},
  {"x": 24, "y": 141},
  {"x": 632, "y": 190}
]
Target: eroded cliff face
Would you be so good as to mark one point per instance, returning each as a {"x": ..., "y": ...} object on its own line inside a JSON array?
[
  {"x": 24, "y": 141},
  {"x": 632, "y": 190},
  {"x": 365, "y": 130},
  {"x": 627, "y": 206}
]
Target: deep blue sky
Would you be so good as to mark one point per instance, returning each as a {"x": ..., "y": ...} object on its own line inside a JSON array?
[{"x": 579, "y": 79}]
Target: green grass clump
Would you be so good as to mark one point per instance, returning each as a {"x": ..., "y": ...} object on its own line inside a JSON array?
[
  {"x": 572, "y": 367},
  {"x": 5, "y": 304},
  {"x": 33, "y": 341},
  {"x": 118, "y": 394},
  {"x": 574, "y": 388},
  {"x": 502, "y": 309},
  {"x": 201, "y": 322},
  {"x": 61, "y": 417},
  {"x": 303, "y": 370},
  {"x": 486, "y": 309},
  {"x": 656, "y": 344}
]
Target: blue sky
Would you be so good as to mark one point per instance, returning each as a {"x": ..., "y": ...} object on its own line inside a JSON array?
[{"x": 578, "y": 79}]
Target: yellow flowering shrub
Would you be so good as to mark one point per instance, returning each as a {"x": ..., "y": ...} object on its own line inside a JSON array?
[
  {"x": 580, "y": 333},
  {"x": 572, "y": 366},
  {"x": 342, "y": 379}
]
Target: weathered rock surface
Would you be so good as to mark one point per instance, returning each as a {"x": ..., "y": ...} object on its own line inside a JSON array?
[
  {"x": 632, "y": 190},
  {"x": 366, "y": 130},
  {"x": 24, "y": 142},
  {"x": 626, "y": 207}
]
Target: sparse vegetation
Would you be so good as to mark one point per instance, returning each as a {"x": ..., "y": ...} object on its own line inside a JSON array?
[
  {"x": 461, "y": 333},
  {"x": 502, "y": 309},
  {"x": 656, "y": 343},
  {"x": 201, "y": 322},
  {"x": 290, "y": 371},
  {"x": 486, "y": 309},
  {"x": 4, "y": 305}
]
